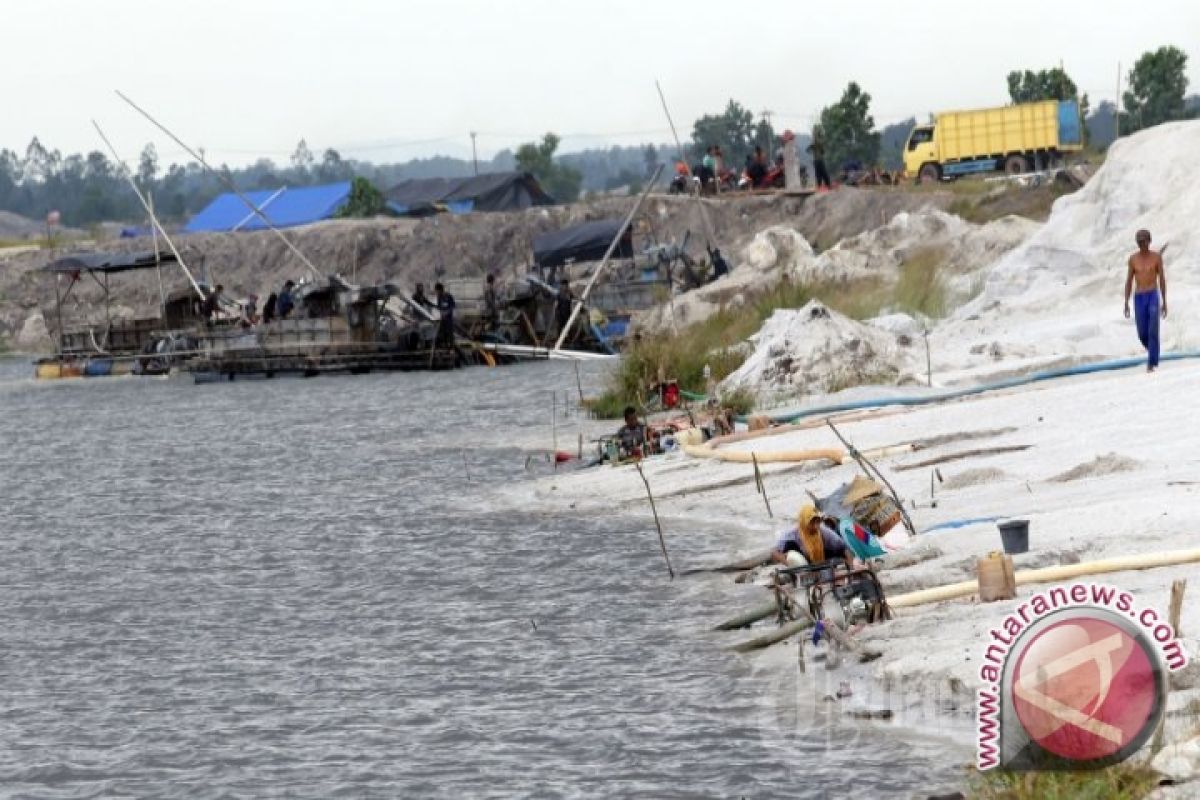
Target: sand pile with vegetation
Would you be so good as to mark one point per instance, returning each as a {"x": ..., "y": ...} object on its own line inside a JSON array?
[{"x": 815, "y": 350}]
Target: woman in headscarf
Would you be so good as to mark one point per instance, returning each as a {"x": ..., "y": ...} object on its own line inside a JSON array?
[{"x": 812, "y": 538}]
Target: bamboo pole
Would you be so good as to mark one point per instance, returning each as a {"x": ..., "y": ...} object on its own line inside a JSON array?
[
  {"x": 612, "y": 246},
  {"x": 1061, "y": 572},
  {"x": 762, "y": 489},
  {"x": 771, "y": 457},
  {"x": 747, "y": 618},
  {"x": 661, "y": 540},
  {"x": 778, "y": 635},
  {"x": 162, "y": 292},
  {"x": 533, "y": 337},
  {"x": 709, "y": 238},
  {"x": 229, "y": 184},
  {"x": 149, "y": 210},
  {"x": 737, "y": 566}
]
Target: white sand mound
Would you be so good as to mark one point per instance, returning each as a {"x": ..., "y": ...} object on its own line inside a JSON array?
[
  {"x": 770, "y": 255},
  {"x": 816, "y": 350},
  {"x": 961, "y": 248},
  {"x": 33, "y": 335},
  {"x": 1060, "y": 292}
]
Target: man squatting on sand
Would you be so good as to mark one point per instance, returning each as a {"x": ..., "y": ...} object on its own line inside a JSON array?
[{"x": 1146, "y": 270}]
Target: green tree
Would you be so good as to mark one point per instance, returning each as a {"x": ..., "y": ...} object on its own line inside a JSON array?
[
  {"x": 302, "y": 161},
  {"x": 650, "y": 159},
  {"x": 333, "y": 167},
  {"x": 561, "y": 181},
  {"x": 891, "y": 143},
  {"x": 1045, "y": 84},
  {"x": 147, "y": 167},
  {"x": 1157, "y": 85},
  {"x": 364, "y": 201},
  {"x": 848, "y": 130},
  {"x": 733, "y": 130}
]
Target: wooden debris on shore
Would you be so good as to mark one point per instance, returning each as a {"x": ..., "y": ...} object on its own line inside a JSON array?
[{"x": 983, "y": 451}]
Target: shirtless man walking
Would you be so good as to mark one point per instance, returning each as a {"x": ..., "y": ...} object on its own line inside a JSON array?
[{"x": 1146, "y": 270}]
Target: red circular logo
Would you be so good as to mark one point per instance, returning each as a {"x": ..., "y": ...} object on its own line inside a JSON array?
[{"x": 1085, "y": 688}]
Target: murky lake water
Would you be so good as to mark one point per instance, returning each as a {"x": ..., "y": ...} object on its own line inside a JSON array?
[{"x": 295, "y": 588}]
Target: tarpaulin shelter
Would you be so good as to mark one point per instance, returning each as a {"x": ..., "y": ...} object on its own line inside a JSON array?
[
  {"x": 285, "y": 207},
  {"x": 109, "y": 262},
  {"x": 497, "y": 191},
  {"x": 587, "y": 241}
]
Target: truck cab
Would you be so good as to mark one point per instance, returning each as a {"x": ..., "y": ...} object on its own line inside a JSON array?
[{"x": 921, "y": 156}]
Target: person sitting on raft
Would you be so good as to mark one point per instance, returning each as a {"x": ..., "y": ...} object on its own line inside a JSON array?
[
  {"x": 635, "y": 435},
  {"x": 812, "y": 539}
]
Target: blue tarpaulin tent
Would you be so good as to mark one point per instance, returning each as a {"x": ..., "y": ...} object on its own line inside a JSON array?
[{"x": 284, "y": 207}]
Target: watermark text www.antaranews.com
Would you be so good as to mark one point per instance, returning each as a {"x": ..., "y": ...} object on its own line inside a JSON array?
[{"x": 1073, "y": 678}]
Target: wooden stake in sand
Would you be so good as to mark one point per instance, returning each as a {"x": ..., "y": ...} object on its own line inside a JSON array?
[
  {"x": 579, "y": 383},
  {"x": 928, "y": 362},
  {"x": 1176, "y": 608},
  {"x": 661, "y": 541},
  {"x": 758, "y": 483}
]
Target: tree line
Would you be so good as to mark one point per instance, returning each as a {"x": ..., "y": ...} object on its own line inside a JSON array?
[{"x": 89, "y": 188}]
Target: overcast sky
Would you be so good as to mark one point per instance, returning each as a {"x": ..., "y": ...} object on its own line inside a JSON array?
[{"x": 388, "y": 81}]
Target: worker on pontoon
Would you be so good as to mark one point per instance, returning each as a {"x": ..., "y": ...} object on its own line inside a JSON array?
[
  {"x": 491, "y": 305},
  {"x": 562, "y": 305},
  {"x": 211, "y": 305},
  {"x": 445, "y": 307},
  {"x": 285, "y": 302},
  {"x": 812, "y": 540}
]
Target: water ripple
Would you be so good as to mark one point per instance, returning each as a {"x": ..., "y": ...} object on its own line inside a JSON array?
[{"x": 290, "y": 588}]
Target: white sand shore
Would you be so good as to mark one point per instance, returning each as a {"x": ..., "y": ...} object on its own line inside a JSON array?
[{"x": 1112, "y": 470}]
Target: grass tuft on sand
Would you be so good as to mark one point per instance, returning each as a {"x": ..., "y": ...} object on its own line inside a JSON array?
[{"x": 1125, "y": 781}]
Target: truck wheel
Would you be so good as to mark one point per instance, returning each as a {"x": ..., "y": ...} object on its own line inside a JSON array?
[
  {"x": 929, "y": 173},
  {"x": 1015, "y": 165}
]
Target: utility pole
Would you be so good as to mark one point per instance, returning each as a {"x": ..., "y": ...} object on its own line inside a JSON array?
[
  {"x": 766, "y": 115},
  {"x": 474, "y": 153}
]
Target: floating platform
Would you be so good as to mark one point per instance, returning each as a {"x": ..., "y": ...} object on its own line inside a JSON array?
[{"x": 246, "y": 364}]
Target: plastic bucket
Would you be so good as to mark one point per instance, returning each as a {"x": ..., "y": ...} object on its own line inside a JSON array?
[{"x": 1014, "y": 535}]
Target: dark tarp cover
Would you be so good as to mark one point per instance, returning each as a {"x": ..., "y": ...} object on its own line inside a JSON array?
[
  {"x": 497, "y": 191},
  {"x": 587, "y": 241},
  {"x": 108, "y": 262}
]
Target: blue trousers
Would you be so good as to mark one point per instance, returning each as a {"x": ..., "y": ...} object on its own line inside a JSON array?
[{"x": 1145, "y": 312}]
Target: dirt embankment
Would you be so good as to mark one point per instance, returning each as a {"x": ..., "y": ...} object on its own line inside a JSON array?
[{"x": 405, "y": 251}]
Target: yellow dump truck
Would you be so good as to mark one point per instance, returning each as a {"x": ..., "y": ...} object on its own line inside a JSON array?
[{"x": 1014, "y": 139}]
